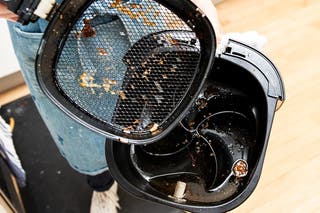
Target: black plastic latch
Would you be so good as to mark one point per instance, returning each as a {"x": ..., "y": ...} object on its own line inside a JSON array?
[
  {"x": 23, "y": 8},
  {"x": 25, "y": 12}
]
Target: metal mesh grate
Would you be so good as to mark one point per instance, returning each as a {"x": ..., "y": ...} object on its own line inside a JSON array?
[{"x": 128, "y": 63}]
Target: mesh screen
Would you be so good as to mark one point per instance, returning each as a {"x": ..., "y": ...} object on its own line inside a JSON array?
[{"x": 128, "y": 63}]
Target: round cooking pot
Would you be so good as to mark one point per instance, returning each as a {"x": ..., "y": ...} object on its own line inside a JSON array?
[{"x": 213, "y": 159}]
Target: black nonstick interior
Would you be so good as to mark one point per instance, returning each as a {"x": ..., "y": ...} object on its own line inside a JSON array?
[{"x": 226, "y": 124}]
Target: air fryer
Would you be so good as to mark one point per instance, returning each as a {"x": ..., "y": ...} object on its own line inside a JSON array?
[
  {"x": 217, "y": 151},
  {"x": 212, "y": 158}
]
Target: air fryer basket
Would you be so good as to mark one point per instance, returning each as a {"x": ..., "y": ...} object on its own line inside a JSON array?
[{"x": 227, "y": 126}]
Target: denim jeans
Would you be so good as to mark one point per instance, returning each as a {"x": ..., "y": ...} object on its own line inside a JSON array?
[{"x": 83, "y": 148}]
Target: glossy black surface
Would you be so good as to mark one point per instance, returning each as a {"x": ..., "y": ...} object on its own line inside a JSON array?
[{"x": 230, "y": 120}]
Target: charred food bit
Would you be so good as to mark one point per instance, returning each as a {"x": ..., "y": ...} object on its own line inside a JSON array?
[
  {"x": 240, "y": 168},
  {"x": 87, "y": 30}
]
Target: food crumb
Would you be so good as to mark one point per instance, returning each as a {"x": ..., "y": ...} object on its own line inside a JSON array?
[
  {"x": 172, "y": 69},
  {"x": 137, "y": 121},
  {"x": 172, "y": 41},
  {"x": 149, "y": 23},
  {"x": 136, "y": 6},
  {"x": 11, "y": 123},
  {"x": 128, "y": 129},
  {"x": 122, "y": 95},
  {"x": 87, "y": 80},
  {"x": 240, "y": 168},
  {"x": 112, "y": 82},
  {"x": 102, "y": 51},
  {"x": 77, "y": 35},
  {"x": 106, "y": 87},
  {"x": 154, "y": 127},
  {"x": 87, "y": 30}
]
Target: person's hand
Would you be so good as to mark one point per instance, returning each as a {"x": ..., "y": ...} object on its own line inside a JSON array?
[{"x": 7, "y": 14}]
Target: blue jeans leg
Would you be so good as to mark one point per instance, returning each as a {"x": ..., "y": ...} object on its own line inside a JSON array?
[{"x": 83, "y": 148}]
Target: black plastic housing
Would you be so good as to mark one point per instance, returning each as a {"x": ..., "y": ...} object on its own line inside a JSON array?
[
  {"x": 247, "y": 71},
  {"x": 23, "y": 8}
]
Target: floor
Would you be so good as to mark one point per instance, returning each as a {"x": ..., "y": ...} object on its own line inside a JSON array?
[
  {"x": 290, "y": 178},
  {"x": 52, "y": 186}
]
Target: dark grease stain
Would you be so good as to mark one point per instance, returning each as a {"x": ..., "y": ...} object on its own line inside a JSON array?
[{"x": 60, "y": 139}]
